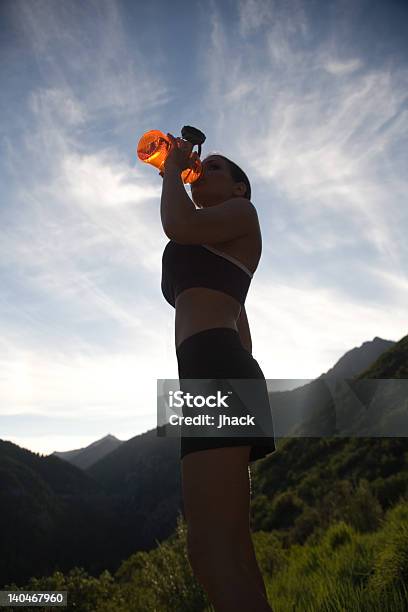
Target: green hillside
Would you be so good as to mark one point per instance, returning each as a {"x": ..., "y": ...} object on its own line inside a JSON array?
[{"x": 330, "y": 526}]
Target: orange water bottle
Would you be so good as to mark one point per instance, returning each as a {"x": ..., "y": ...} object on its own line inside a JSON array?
[{"x": 154, "y": 146}]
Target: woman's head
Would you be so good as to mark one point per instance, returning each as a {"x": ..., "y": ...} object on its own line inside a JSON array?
[{"x": 221, "y": 180}]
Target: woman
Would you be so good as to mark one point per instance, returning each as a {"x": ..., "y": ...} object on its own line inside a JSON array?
[{"x": 207, "y": 267}]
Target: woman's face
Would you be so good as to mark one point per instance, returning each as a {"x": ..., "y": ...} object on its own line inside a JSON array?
[{"x": 216, "y": 184}]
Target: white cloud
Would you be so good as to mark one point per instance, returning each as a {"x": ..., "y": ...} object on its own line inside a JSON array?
[
  {"x": 80, "y": 48},
  {"x": 61, "y": 104},
  {"x": 101, "y": 181},
  {"x": 340, "y": 68}
]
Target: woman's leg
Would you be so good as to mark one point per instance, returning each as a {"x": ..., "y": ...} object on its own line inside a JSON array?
[{"x": 216, "y": 495}]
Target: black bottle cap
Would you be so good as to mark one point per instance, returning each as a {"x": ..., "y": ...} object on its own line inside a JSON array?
[{"x": 193, "y": 135}]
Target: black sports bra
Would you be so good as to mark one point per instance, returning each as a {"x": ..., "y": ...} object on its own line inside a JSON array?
[{"x": 199, "y": 265}]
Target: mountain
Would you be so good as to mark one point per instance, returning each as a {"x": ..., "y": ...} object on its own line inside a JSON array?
[
  {"x": 85, "y": 457},
  {"x": 60, "y": 516},
  {"x": 52, "y": 513},
  {"x": 293, "y": 408},
  {"x": 359, "y": 358},
  {"x": 391, "y": 364},
  {"x": 144, "y": 473},
  {"x": 372, "y": 403}
]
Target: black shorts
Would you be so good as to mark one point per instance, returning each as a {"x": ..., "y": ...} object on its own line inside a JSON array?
[{"x": 215, "y": 354}]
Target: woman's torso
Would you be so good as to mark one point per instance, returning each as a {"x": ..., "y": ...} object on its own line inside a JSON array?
[{"x": 200, "y": 308}]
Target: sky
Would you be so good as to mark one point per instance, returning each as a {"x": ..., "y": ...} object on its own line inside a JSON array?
[{"x": 308, "y": 97}]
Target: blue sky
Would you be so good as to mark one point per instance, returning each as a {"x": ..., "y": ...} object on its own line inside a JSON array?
[{"x": 309, "y": 98}]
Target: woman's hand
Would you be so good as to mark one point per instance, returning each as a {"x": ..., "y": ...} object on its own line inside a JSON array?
[{"x": 179, "y": 155}]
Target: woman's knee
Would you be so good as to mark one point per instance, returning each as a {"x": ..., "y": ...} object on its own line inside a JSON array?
[
  {"x": 219, "y": 552},
  {"x": 217, "y": 504}
]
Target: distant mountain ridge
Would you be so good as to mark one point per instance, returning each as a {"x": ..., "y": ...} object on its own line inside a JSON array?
[
  {"x": 85, "y": 457},
  {"x": 290, "y": 407},
  {"x": 390, "y": 364},
  {"x": 359, "y": 358}
]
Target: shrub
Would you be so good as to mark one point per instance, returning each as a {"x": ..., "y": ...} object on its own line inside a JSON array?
[{"x": 391, "y": 565}]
